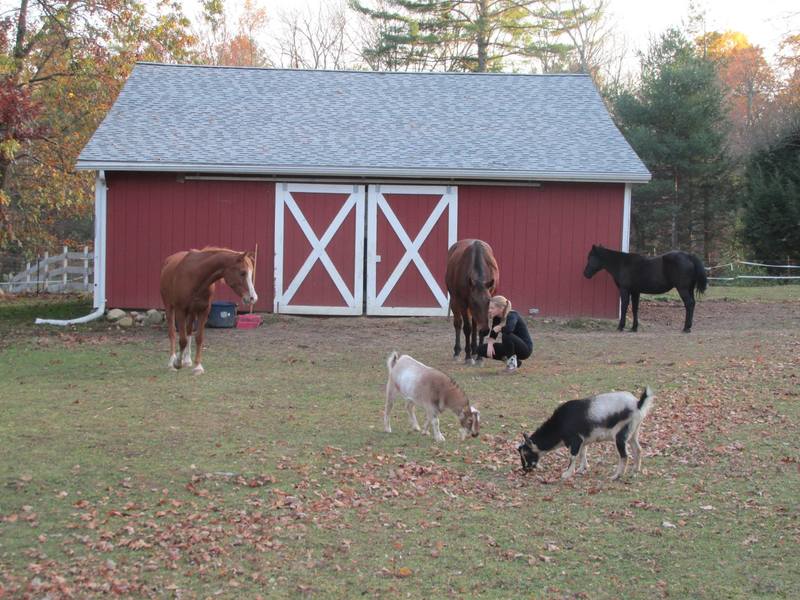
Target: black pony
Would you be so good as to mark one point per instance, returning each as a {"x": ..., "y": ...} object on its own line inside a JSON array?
[{"x": 635, "y": 274}]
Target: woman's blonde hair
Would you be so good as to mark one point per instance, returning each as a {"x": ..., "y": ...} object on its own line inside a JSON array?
[{"x": 505, "y": 304}]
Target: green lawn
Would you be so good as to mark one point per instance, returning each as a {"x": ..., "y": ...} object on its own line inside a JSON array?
[
  {"x": 767, "y": 293},
  {"x": 271, "y": 475}
]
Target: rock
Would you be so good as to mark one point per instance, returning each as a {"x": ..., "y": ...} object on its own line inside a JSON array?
[
  {"x": 125, "y": 321},
  {"x": 115, "y": 314},
  {"x": 153, "y": 317}
]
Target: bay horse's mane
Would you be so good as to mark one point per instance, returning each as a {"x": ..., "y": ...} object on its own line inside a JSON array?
[{"x": 479, "y": 259}]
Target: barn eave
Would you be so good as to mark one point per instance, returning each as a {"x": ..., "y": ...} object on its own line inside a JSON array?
[{"x": 283, "y": 171}]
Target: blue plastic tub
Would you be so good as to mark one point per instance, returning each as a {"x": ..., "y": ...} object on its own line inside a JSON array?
[{"x": 223, "y": 314}]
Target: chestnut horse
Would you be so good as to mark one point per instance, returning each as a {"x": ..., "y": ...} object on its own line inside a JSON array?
[
  {"x": 188, "y": 279},
  {"x": 471, "y": 279}
]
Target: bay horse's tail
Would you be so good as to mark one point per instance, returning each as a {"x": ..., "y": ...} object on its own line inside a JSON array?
[{"x": 700, "y": 274}]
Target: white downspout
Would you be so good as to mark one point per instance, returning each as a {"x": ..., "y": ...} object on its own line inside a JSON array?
[
  {"x": 626, "y": 220},
  {"x": 626, "y": 231},
  {"x": 99, "y": 302}
]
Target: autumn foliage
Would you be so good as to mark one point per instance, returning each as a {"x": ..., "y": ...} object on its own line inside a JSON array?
[{"x": 62, "y": 63}]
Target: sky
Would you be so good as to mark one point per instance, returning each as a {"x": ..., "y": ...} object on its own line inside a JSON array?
[{"x": 764, "y": 23}]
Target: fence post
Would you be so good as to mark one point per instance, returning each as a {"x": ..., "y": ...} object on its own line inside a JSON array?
[
  {"x": 86, "y": 268},
  {"x": 27, "y": 276},
  {"x": 64, "y": 278},
  {"x": 46, "y": 262}
]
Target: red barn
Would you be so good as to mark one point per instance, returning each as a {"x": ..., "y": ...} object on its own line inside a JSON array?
[{"x": 354, "y": 184}]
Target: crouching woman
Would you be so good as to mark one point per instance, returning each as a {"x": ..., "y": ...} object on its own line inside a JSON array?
[{"x": 508, "y": 339}]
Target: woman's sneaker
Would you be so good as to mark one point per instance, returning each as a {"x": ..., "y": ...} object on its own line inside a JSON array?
[{"x": 511, "y": 364}]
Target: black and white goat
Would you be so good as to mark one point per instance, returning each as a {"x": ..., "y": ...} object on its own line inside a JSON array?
[{"x": 577, "y": 423}]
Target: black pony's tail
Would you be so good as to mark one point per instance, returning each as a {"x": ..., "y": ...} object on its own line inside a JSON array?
[{"x": 700, "y": 273}]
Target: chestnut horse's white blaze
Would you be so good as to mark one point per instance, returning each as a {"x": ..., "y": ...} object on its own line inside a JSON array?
[{"x": 187, "y": 285}]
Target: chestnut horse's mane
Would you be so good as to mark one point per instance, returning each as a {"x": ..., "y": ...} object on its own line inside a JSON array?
[{"x": 215, "y": 249}]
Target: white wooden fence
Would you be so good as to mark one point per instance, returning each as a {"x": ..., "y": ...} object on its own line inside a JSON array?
[
  {"x": 790, "y": 275},
  {"x": 65, "y": 272}
]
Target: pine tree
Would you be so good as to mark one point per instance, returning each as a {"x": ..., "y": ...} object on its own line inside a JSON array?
[
  {"x": 676, "y": 123},
  {"x": 472, "y": 35},
  {"x": 771, "y": 221}
]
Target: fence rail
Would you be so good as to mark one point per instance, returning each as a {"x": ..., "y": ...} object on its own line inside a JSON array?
[
  {"x": 69, "y": 271},
  {"x": 732, "y": 267}
]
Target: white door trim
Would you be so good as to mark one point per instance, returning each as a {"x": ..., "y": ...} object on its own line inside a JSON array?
[
  {"x": 283, "y": 201},
  {"x": 375, "y": 297}
]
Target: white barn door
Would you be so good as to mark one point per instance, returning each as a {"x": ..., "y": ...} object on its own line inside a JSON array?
[
  {"x": 319, "y": 249},
  {"x": 409, "y": 230}
]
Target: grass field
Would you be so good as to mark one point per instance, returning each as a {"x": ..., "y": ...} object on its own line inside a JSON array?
[{"x": 271, "y": 475}]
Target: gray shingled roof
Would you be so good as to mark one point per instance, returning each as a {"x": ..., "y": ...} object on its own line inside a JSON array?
[{"x": 348, "y": 123}]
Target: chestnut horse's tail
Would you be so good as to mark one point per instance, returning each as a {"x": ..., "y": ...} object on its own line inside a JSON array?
[{"x": 701, "y": 280}]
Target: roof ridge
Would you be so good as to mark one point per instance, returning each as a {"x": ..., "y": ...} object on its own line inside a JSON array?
[{"x": 355, "y": 71}]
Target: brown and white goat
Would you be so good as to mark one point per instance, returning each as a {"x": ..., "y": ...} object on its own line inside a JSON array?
[{"x": 431, "y": 390}]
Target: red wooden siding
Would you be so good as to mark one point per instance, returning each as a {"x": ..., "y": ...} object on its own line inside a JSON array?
[
  {"x": 319, "y": 209},
  {"x": 150, "y": 216},
  {"x": 412, "y": 210},
  {"x": 541, "y": 237}
]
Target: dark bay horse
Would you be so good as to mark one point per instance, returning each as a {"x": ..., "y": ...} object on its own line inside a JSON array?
[
  {"x": 188, "y": 279},
  {"x": 471, "y": 279},
  {"x": 635, "y": 274}
]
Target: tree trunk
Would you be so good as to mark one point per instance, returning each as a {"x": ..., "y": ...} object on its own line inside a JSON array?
[
  {"x": 482, "y": 41},
  {"x": 6, "y": 229},
  {"x": 675, "y": 209},
  {"x": 708, "y": 236}
]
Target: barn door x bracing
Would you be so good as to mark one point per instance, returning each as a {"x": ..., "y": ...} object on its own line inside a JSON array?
[
  {"x": 319, "y": 249},
  {"x": 409, "y": 230}
]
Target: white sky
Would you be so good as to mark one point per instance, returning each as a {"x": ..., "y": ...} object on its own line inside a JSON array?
[{"x": 764, "y": 22}]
